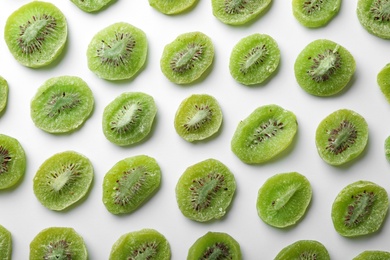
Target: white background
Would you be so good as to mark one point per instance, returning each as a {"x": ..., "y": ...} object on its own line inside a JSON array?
[{"x": 24, "y": 216}]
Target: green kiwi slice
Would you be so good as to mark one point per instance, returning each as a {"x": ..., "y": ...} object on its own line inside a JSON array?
[
  {"x": 205, "y": 190},
  {"x": 3, "y": 94},
  {"x": 238, "y": 12},
  {"x": 58, "y": 243},
  {"x": 359, "y": 209},
  {"x": 187, "y": 58},
  {"x": 62, "y": 180},
  {"x": 62, "y": 104},
  {"x": 142, "y": 244},
  {"x": 128, "y": 119},
  {"x": 117, "y": 52},
  {"x": 91, "y": 5},
  {"x": 5, "y": 244},
  {"x": 172, "y": 7},
  {"x": 36, "y": 34},
  {"x": 215, "y": 245},
  {"x": 304, "y": 249},
  {"x": 373, "y": 255},
  {"x": 264, "y": 134},
  {"x": 387, "y": 148},
  {"x": 324, "y": 68},
  {"x": 374, "y": 16},
  {"x": 383, "y": 80},
  {"x": 283, "y": 199},
  {"x": 315, "y": 13},
  {"x": 130, "y": 183},
  {"x": 198, "y": 117},
  {"x": 341, "y": 137},
  {"x": 12, "y": 161},
  {"x": 254, "y": 59}
]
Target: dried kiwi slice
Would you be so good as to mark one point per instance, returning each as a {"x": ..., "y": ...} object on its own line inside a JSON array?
[
  {"x": 373, "y": 255},
  {"x": 198, "y": 117},
  {"x": 130, "y": 183},
  {"x": 341, "y": 136},
  {"x": 91, "y": 5},
  {"x": 324, "y": 68},
  {"x": 142, "y": 244},
  {"x": 264, "y": 134},
  {"x": 172, "y": 7},
  {"x": 238, "y": 12},
  {"x": 315, "y": 13},
  {"x": 36, "y": 33},
  {"x": 58, "y": 243},
  {"x": 117, "y": 52},
  {"x": 187, "y": 58},
  {"x": 387, "y": 148},
  {"x": 215, "y": 245},
  {"x": 304, "y": 249},
  {"x": 254, "y": 59},
  {"x": 374, "y": 16},
  {"x": 205, "y": 190},
  {"x": 62, "y": 104},
  {"x": 12, "y": 161},
  {"x": 3, "y": 94},
  {"x": 128, "y": 119},
  {"x": 383, "y": 80},
  {"x": 360, "y": 209},
  {"x": 283, "y": 199},
  {"x": 62, "y": 180},
  {"x": 5, "y": 244}
]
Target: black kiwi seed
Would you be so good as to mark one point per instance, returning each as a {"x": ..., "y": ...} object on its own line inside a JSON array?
[{"x": 5, "y": 158}]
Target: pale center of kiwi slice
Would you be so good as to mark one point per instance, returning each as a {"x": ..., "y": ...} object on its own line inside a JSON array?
[
  {"x": 144, "y": 252},
  {"x": 129, "y": 185},
  {"x": 203, "y": 115},
  {"x": 67, "y": 174},
  {"x": 359, "y": 209},
  {"x": 184, "y": 60},
  {"x": 118, "y": 51},
  {"x": 325, "y": 65},
  {"x": 34, "y": 32},
  {"x": 216, "y": 252},
  {"x": 284, "y": 198},
  {"x": 234, "y": 6},
  {"x": 203, "y": 190},
  {"x": 341, "y": 138},
  {"x": 266, "y": 131},
  {"x": 126, "y": 117},
  {"x": 61, "y": 102},
  {"x": 5, "y": 158},
  {"x": 380, "y": 10},
  {"x": 308, "y": 256},
  {"x": 312, "y": 6},
  {"x": 58, "y": 250},
  {"x": 255, "y": 56}
]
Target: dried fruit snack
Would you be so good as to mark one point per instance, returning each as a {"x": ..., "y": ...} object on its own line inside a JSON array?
[
  {"x": 5, "y": 244},
  {"x": 304, "y": 249},
  {"x": 315, "y": 13},
  {"x": 373, "y": 255},
  {"x": 205, "y": 190},
  {"x": 387, "y": 148},
  {"x": 3, "y": 94},
  {"x": 172, "y": 7},
  {"x": 374, "y": 16},
  {"x": 36, "y": 33},
  {"x": 91, "y": 5},
  {"x": 383, "y": 80},
  {"x": 359, "y": 209},
  {"x": 117, "y": 52}
]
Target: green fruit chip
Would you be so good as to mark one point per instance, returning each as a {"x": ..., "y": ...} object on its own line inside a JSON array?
[
  {"x": 374, "y": 16},
  {"x": 373, "y": 255},
  {"x": 91, "y": 5},
  {"x": 172, "y": 7},
  {"x": 3, "y": 94},
  {"x": 383, "y": 80},
  {"x": 315, "y": 13},
  {"x": 304, "y": 249},
  {"x": 5, "y": 244}
]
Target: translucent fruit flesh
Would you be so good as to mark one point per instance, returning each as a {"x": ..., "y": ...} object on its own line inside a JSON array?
[
  {"x": 3, "y": 94},
  {"x": 304, "y": 249},
  {"x": 374, "y": 16},
  {"x": 315, "y": 13}
]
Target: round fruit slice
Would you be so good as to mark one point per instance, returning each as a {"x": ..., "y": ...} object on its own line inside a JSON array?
[
  {"x": 315, "y": 13},
  {"x": 205, "y": 190},
  {"x": 373, "y": 255},
  {"x": 128, "y": 119},
  {"x": 324, "y": 68},
  {"x": 62, "y": 180},
  {"x": 283, "y": 199},
  {"x": 198, "y": 117},
  {"x": 130, "y": 183},
  {"x": 387, "y": 148},
  {"x": 238, "y": 12},
  {"x": 36, "y": 33},
  {"x": 58, "y": 243},
  {"x": 172, "y": 7},
  {"x": 304, "y": 249},
  {"x": 187, "y": 58},
  {"x": 142, "y": 244},
  {"x": 117, "y": 52},
  {"x": 3, "y": 94},
  {"x": 62, "y": 104},
  {"x": 341, "y": 136},
  {"x": 264, "y": 134},
  {"x": 12, "y": 162},
  {"x": 383, "y": 79},
  {"x": 91, "y": 5},
  {"x": 5, "y": 244},
  {"x": 374, "y": 16},
  {"x": 215, "y": 245},
  {"x": 254, "y": 58},
  {"x": 360, "y": 209}
]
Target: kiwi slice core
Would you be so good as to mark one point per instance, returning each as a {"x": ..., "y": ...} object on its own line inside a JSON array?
[
  {"x": 315, "y": 13},
  {"x": 374, "y": 16}
]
